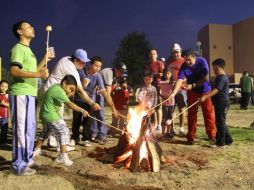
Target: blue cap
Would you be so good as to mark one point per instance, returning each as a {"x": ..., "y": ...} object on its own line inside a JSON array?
[{"x": 81, "y": 55}]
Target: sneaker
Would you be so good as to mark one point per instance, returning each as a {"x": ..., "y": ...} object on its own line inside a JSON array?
[
  {"x": 93, "y": 139},
  {"x": 52, "y": 142},
  {"x": 213, "y": 146},
  {"x": 181, "y": 134},
  {"x": 37, "y": 152},
  {"x": 68, "y": 148},
  {"x": 72, "y": 142},
  {"x": 158, "y": 130},
  {"x": 27, "y": 171},
  {"x": 63, "y": 159},
  {"x": 87, "y": 143},
  {"x": 33, "y": 163}
]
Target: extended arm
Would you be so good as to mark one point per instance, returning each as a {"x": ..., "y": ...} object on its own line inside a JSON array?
[{"x": 76, "y": 108}]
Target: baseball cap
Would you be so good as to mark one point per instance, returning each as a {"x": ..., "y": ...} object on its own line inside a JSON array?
[
  {"x": 81, "y": 55},
  {"x": 176, "y": 47},
  {"x": 121, "y": 66}
]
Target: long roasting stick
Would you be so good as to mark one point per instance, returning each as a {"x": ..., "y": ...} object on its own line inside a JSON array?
[
  {"x": 170, "y": 120},
  {"x": 186, "y": 109},
  {"x": 107, "y": 124}
]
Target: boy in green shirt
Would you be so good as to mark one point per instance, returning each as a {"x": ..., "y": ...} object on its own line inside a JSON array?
[{"x": 52, "y": 121}]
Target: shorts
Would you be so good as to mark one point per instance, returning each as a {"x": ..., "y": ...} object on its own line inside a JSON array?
[
  {"x": 59, "y": 129},
  {"x": 181, "y": 99}
]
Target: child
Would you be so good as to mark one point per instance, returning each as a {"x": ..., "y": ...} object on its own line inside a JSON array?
[
  {"x": 158, "y": 110},
  {"x": 120, "y": 96},
  {"x": 49, "y": 114},
  {"x": 166, "y": 87},
  {"x": 221, "y": 103},
  {"x": 148, "y": 94},
  {"x": 4, "y": 105}
]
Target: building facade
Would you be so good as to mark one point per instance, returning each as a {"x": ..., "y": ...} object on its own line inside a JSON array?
[{"x": 234, "y": 43}]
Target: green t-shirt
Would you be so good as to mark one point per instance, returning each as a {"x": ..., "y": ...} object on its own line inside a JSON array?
[
  {"x": 246, "y": 84},
  {"x": 23, "y": 57},
  {"x": 53, "y": 99}
]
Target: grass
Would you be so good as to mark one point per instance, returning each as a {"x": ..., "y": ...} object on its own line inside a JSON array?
[{"x": 87, "y": 173}]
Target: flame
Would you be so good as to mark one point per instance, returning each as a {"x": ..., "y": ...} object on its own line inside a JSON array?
[{"x": 135, "y": 117}]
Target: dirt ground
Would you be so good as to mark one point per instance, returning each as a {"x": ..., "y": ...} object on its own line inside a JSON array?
[{"x": 192, "y": 166}]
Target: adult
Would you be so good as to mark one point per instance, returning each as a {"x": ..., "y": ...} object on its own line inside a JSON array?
[
  {"x": 92, "y": 81},
  {"x": 156, "y": 67},
  {"x": 174, "y": 64},
  {"x": 70, "y": 65},
  {"x": 109, "y": 76},
  {"x": 23, "y": 91},
  {"x": 196, "y": 71},
  {"x": 246, "y": 90}
]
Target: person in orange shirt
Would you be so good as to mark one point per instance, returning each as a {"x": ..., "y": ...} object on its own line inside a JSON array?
[{"x": 174, "y": 64}]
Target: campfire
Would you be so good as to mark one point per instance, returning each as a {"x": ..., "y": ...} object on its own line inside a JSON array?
[{"x": 138, "y": 149}]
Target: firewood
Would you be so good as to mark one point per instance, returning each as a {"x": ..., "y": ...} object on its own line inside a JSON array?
[
  {"x": 134, "y": 166},
  {"x": 154, "y": 156}
]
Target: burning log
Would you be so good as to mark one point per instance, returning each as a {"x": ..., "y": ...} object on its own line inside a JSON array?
[
  {"x": 145, "y": 154},
  {"x": 136, "y": 148}
]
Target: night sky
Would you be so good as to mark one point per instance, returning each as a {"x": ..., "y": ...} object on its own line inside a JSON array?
[{"x": 98, "y": 25}]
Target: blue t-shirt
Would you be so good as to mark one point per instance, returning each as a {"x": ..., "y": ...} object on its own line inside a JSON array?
[
  {"x": 95, "y": 81},
  {"x": 195, "y": 73}
]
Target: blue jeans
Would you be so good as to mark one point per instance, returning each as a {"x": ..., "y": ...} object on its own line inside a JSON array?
[{"x": 99, "y": 129}]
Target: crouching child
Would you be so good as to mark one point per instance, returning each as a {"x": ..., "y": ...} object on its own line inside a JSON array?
[{"x": 54, "y": 97}]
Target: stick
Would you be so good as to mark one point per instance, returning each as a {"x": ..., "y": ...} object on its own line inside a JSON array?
[
  {"x": 171, "y": 120},
  {"x": 185, "y": 110},
  {"x": 107, "y": 124},
  {"x": 47, "y": 48},
  {"x": 48, "y": 29}
]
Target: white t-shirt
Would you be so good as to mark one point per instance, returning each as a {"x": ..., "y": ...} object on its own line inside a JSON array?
[{"x": 64, "y": 67}]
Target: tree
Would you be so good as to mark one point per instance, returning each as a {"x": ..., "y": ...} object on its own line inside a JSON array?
[
  {"x": 5, "y": 75},
  {"x": 134, "y": 52}
]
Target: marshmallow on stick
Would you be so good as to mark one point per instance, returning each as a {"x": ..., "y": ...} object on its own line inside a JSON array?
[{"x": 48, "y": 28}]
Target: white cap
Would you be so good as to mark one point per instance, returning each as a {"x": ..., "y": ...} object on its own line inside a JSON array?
[{"x": 176, "y": 47}]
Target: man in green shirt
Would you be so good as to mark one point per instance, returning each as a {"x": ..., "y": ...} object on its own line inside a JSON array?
[
  {"x": 23, "y": 91},
  {"x": 246, "y": 90}
]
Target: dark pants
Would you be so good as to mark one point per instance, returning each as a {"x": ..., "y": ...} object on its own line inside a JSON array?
[
  {"x": 222, "y": 136},
  {"x": 79, "y": 120},
  {"x": 4, "y": 129},
  {"x": 245, "y": 100}
]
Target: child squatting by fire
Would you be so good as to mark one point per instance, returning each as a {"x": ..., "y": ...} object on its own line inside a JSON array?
[{"x": 49, "y": 114}]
